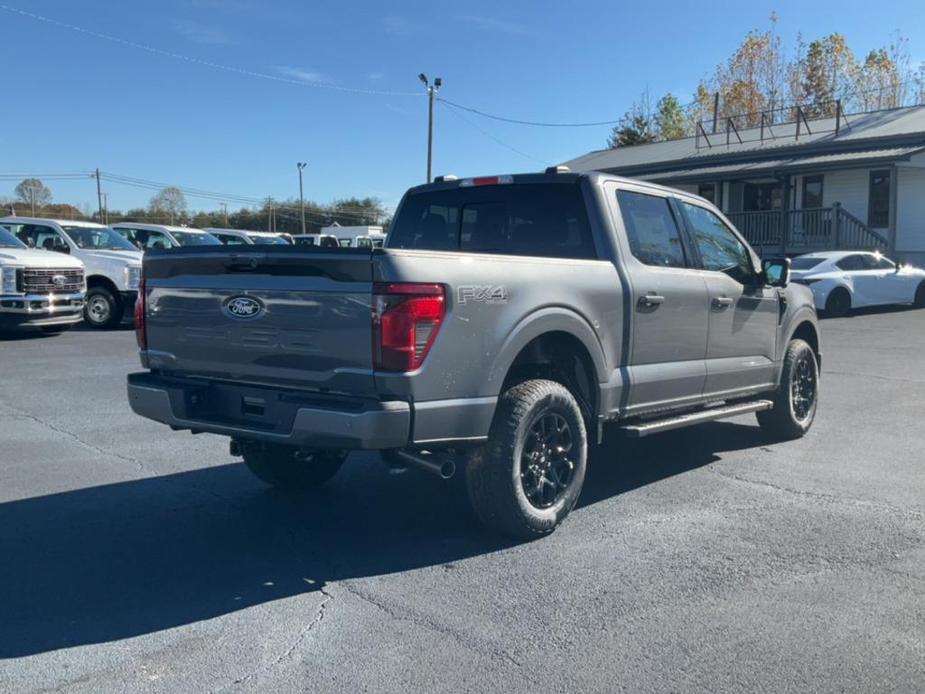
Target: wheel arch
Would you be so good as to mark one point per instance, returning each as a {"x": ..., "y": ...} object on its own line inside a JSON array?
[
  {"x": 103, "y": 281},
  {"x": 557, "y": 344},
  {"x": 807, "y": 330}
]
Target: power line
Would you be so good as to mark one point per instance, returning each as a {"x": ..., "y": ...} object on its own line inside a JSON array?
[
  {"x": 487, "y": 134},
  {"x": 517, "y": 121},
  {"x": 198, "y": 61}
]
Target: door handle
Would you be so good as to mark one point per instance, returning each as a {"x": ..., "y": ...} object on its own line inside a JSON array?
[
  {"x": 722, "y": 302},
  {"x": 651, "y": 300}
]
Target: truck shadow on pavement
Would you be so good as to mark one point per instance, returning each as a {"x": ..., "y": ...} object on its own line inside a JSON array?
[{"x": 121, "y": 560}]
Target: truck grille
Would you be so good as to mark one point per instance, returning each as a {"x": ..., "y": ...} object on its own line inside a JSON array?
[{"x": 51, "y": 281}]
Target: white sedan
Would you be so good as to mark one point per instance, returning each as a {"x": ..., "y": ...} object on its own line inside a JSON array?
[{"x": 845, "y": 280}]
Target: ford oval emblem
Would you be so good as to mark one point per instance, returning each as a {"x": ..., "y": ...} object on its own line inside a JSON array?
[
  {"x": 59, "y": 280},
  {"x": 243, "y": 307}
]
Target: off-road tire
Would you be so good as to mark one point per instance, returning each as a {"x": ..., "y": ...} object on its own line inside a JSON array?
[
  {"x": 290, "y": 468},
  {"x": 494, "y": 477},
  {"x": 782, "y": 422},
  {"x": 97, "y": 318},
  {"x": 838, "y": 303}
]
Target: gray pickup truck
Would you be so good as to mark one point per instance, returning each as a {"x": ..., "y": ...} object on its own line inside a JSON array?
[{"x": 507, "y": 319}]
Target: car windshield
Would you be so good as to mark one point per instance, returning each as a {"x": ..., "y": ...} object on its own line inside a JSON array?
[
  {"x": 195, "y": 238},
  {"x": 97, "y": 238},
  {"x": 805, "y": 263},
  {"x": 7, "y": 240},
  {"x": 260, "y": 238}
]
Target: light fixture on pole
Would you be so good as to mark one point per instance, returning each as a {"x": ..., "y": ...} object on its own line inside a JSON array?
[{"x": 431, "y": 92}]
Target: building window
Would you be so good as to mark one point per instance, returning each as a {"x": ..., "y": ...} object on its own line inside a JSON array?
[
  {"x": 812, "y": 192},
  {"x": 878, "y": 202},
  {"x": 708, "y": 192}
]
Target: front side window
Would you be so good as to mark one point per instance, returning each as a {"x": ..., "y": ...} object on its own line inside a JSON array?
[
  {"x": 720, "y": 249},
  {"x": 651, "y": 229},
  {"x": 40, "y": 236},
  {"x": 812, "y": 192},
  {"x": 230, "y": 239},
  {"x": 878, "y": 205},
  {"x": 97, "y": 238},
  {"x": 805, "y": 263},
  {"x": 881, "y": 263},
  {"x": 192, "y": 238}
]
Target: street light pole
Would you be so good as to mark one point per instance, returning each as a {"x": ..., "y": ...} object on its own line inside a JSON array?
[
  {"x": 301, "y": 165},
  {"x": 431, "y": 93}
]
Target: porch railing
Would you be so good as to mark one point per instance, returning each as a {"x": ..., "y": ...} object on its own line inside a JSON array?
[{"x": 803, "y": 231}]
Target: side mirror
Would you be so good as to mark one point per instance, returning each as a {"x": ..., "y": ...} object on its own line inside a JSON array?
[
  {"x": 776, "y": 271},
  {"x": 63, "y": 248}
]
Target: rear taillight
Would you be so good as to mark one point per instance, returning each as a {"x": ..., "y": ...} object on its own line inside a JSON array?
[
  {"x": 141, "y": 334},
  {"x": 406, "y": 320}
]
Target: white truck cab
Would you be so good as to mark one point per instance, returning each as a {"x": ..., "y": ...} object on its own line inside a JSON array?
[
  {"x": 145, "y": 236},
  {"x": 38, "y": 289},
  {"x": 242, "y": 237},
  {"x": 112, "y": 265}
]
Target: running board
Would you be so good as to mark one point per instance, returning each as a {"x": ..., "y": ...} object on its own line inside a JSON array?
[{"x": 684, "y": 420}]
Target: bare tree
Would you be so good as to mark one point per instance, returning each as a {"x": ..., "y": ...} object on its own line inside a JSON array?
[
  {"x": 31, "y": 191},
  {"x": 169, "y": 202}
]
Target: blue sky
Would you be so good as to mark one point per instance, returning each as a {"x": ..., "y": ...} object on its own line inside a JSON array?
[{"x": 76, "y": 101}]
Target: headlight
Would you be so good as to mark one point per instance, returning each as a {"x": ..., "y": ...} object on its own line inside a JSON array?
[
  {"x": 132, "y": 276},
  {"x": 8, "y": 280}
]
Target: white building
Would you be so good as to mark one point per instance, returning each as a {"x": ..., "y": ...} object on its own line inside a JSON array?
[{"x": 851, "y": 181}]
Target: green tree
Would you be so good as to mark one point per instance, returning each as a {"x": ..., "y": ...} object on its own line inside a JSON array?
[
  {"x": 636, "y": 127},
  {"x": 669, "y": 118}
]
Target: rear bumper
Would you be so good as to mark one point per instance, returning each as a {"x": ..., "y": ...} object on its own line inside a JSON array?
[{"x": 283, "y": 417}]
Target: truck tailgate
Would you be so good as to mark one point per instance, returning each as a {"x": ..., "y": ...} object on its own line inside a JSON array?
[{"x": 288, "y": 316}]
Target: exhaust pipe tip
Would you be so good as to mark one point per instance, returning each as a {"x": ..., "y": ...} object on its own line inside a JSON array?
[{"x": 447, "y": 469}]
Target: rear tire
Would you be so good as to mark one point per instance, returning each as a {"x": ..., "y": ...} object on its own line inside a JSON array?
[
  {"x": 838, "y": 303},
  {"x": 797, "y": 396},
  {"x": 292, "y": 468},
  {"x": 529, "y": 475},
  {"x": 102, "y": 309}
]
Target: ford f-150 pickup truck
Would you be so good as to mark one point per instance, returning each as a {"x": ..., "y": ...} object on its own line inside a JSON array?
[{"x": 507, "y": 319}]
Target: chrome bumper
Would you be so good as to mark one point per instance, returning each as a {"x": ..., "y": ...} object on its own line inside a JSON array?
[{"x": 39, "y": 305}]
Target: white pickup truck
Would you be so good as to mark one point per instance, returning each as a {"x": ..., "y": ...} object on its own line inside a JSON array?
[
  {"x": 38, "y": 289},
  {"x": 113, "y": 265}
]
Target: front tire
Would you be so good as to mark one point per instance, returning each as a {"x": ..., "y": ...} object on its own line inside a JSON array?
[
  {"x": 838, "y": 303},
  {"x": 291, "y": 468},
  {"x": 797, "y": 396},
  {"x": 102, "y": 309},
  {"x": 919, "y": 301},
  {"x": 529, "y": 475}
]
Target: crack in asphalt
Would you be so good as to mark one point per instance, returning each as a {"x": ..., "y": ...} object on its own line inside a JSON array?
[
  {"x": 290, "y": 651},
  {"x": 877, "y": 377},
  {"x": 460, "y": 638},
  {"x": 22, "y": 414},
  {"x": 911, "y": 514}
]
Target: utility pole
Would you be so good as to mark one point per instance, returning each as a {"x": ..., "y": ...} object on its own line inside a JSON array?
[
  {"x": 715, "y": 109},
  {"x": 431, "y": 93},
  {"x": 32, "y": 195},
  {"x": 104, "y": 217},
  {"x": 99, "y": 195},
  {"x": 224, "y": 206},
  {"x": 301, "y": 165}
]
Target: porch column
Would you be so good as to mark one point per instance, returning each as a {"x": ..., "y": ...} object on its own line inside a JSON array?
[
  {"x": 786, "y": 200},
  {"x": 894, "y": 193}
]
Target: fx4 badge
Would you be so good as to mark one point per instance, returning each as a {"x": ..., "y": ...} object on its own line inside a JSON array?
[{"x": 482, "y": 293}]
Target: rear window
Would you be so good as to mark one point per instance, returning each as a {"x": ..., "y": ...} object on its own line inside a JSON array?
[
  {"x": 805, "y": 263},
  {"x": 545, "y": 219}
]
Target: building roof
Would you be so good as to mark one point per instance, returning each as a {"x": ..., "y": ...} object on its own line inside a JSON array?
[{"x": 856, "y": 132}]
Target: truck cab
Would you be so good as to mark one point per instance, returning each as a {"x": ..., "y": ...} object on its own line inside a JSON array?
[
  {"x": 113, "y": 266},
  {"x": 147, "y": 236},
  {"x": 239, "y": 237}
]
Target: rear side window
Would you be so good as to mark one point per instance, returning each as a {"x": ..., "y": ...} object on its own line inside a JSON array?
[
  {"x": 651, "y": 229},
  {"x": 805, "y": 263},
  {"x": 544, "y": 219}
]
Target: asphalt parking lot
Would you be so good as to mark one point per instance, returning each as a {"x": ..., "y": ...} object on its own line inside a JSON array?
[{"x": 710, "y": 559}]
